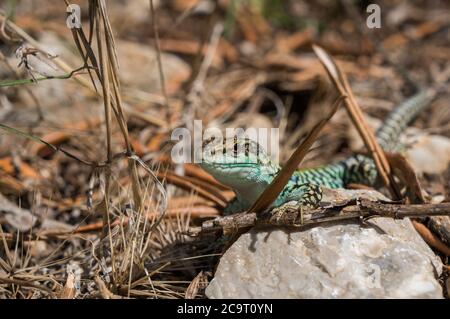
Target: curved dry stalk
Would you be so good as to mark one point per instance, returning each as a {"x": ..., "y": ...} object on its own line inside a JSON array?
[{"x": 376, "y": 152}]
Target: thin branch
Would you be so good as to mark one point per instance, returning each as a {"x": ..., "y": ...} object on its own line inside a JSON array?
[{"x": 289, "y": 215}]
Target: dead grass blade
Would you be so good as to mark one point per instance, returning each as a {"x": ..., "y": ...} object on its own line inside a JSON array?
[
  {"x": 376, "y": 152},
  {"x": 10, "y": 83},
  {"x": 25, "y": 283},
  {"x": 430, "y": 238},
  {"x": 159, "y": 60}
]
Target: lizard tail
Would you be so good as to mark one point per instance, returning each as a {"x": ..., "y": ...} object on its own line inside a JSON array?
[
  {"x": 361, "y": 169},
  {"x": 398, "y": 119}
]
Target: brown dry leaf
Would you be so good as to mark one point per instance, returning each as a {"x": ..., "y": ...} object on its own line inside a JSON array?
[
  {"x": 440, "y": 225},
  {"x": 227, "y": 50},
  {"x": 6, "y": 165},
  {"x": 10, "y": 185},
  {"x": 155, "y": 142},
  {"x": 69, "y": 291},
  {"x": 182, "y": 5},
  {"x": 426, "y": 28},
  {"x": 138, "y": 148},
  {"x": 312, "y": 66},
  {"x": 252, "y": 24},
  {"x": 199, "y": 282},
  {"x": 337, "y": 44},
  {"x": 26, "y": 171},
  {"x": 395, "y": 41},
  {"x": 190, "y": 184},
  {"x": 58, "y": 137},
  {"x": 418, "y": 32},
  {"x": 231, "y": 92},
  {"x": 189, "y": 47},
  {"x": 293, "y": 41},
  {"x": 430, "y": 238}
]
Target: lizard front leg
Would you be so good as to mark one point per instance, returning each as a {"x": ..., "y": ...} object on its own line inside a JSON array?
[
  {"x": 310, "y": 198},
  {"x": 308, "y": 195}
]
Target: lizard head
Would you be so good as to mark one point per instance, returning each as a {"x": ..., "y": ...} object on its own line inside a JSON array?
[{"x": 239, "y": 163}]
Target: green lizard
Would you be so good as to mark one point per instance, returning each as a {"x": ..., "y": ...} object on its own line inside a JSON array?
[{"x": 243, "y": 165}]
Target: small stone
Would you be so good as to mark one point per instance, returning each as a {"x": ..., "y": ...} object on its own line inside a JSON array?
[{"x": 429, "y": 154}]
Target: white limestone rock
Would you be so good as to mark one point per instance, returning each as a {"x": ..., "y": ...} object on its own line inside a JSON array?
[{"x": 387, "y": 260}]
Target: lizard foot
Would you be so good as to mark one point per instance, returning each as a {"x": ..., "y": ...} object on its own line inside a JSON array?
[{"x": 311, "y": 195}]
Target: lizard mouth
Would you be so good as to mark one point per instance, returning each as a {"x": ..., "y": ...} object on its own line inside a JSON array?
[
  {"x": 225, "y": 166},
  {"x": 224, "y": 169}
]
